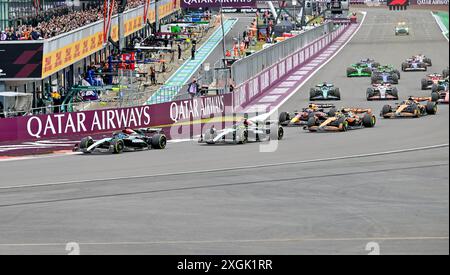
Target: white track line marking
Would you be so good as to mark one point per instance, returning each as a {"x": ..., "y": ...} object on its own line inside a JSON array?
[
  {"x": 380, "y": 238},
  {"x": 444, "y": 30},
  {"x": 235, "y": 168}
]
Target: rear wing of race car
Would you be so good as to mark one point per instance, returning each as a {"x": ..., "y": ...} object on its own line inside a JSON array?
[
  {"x": 322, "y": 105},
  {"x": 151, "y": 130},
  {"x": 420, "y": 99},
  {"x": 358, "y": 110}
]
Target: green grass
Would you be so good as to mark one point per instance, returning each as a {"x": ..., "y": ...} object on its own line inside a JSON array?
[{"x": 444, "y": 19}]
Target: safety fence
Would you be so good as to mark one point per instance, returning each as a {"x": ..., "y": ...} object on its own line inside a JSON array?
[
  {"x": 255, "y": 86},
  {"x": 246, "y": 68}
]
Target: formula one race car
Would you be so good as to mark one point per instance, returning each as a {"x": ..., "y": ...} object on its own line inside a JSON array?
[
  {"x": 126, "y": 140},
  {"x": 362, "y": 68},
  {"x": 249, "y": 130},
  {"x": 345, "y": 119},
  {"x": 440, "y": 85},
  {"x": 385, "y": 74},
  {"x": 440, "y": 92},
  {"x": 382, "y": 92},
  {"x": 445, "y": 73},
  {"x": 430, "y": 81},
  {"x": 424, "y": 59},
  {"x": 324, "y": 91},
  {"x": 301, "y": 118},
  {"x": 412, "y": 107},
  {"x": 412, "y": 64},
  {"x": 401, "y": 29}
]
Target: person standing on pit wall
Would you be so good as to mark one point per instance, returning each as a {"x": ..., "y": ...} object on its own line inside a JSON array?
[
  {"x": 193, "y": 52},
  {"x": 179, "y": 51},
  {"x": 152, "y": 75},
  {"x": 193, "y": 88}
]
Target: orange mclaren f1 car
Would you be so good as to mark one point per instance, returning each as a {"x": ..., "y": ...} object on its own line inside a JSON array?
[
  {"x": 345, "y": 119},
  {"x": 413, "y": 107}
]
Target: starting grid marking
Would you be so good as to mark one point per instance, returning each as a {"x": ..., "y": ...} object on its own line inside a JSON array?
[{"x": 295, "y": 79}]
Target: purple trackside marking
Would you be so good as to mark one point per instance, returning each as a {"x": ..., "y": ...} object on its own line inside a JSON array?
[
  {"x": 294, "y": 77},
  {"x": 279, "y": 91},
  {"x": 287, "y": 84},
  {"x": 302, "y": 72},
  {"x": 269, "y": 99}
]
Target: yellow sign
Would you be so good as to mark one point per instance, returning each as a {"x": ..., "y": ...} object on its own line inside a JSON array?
[{"x": 64, "y": 57}]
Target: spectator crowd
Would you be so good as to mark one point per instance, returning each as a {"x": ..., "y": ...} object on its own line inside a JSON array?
[{"x": 57, "y": 21}]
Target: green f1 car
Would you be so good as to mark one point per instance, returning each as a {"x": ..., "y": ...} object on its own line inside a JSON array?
[{"x": 363, "y": 68}]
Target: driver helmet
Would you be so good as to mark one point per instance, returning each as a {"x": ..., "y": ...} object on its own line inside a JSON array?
[{"x": 128, "y": 131}]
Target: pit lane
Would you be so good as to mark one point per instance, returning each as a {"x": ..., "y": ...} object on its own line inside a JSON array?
[{"x": 401, "y": 199}]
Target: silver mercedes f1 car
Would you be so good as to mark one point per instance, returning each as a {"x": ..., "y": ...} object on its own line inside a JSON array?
[{"x": 248, "y": 130}]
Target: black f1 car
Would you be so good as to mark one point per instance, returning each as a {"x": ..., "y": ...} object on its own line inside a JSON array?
[
  {"x": 248, "y": 130},
  {"x": 126, "y": 140}
]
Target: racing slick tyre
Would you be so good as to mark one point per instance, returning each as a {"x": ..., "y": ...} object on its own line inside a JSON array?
[
  {"x": 431, "y": 108},
  {"x": 435, "y": 96},
  {"x": 332, "y": 112},
  {"x": 86, "y": 143},
  {"x": 159, "y": 141},
  {"x": 284, "y": 117},
  {"x": 424, "y": 84},
  {"x": 117, "y": 146},
  {"x": 394, "y": 78},
  {"x": 404, "y": 66},
  {"x": 394, "y": 93},
  {"x": 398, "y": 73},
  {"x": 369, "y": 121},
  {"x": 312, "y": 121},
  {"x": 374, "y": 79},
  {"x": 343, "y": 124},
  {"x": 375, "y": 65},
  {"x": 386, "y": 110},
  {"x": 276, "y": 132},
  {"x": 445, "y": 73},
  {"x": 313, "y": 93},
  {"x": 428, "y": 62},
  {"x": 370, "y": 93},
  {"x": 351, "y": 71},
  {"x": 337, "y": 93},
  {"x": 435, "y": 88}
]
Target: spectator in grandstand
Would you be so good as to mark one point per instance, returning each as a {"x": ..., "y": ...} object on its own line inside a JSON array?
[
  {"x": 3, "y": 36},
  {"x": 59, "y": 20}
]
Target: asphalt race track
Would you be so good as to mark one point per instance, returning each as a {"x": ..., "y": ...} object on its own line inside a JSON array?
[{"x": 328, "y": 193}]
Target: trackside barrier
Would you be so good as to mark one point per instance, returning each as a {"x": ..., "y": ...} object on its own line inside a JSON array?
[
  {"x": 263, "y": 81},
  {"x": 250, "y": 66},
  {"x": 104, "y": 121}
]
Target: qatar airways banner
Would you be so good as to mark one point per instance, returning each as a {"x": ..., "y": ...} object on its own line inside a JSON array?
[
  {"x": 31, "y": 128},
  {"x": 195, "y": 4},
  {"x": 428, "y": 2}
]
